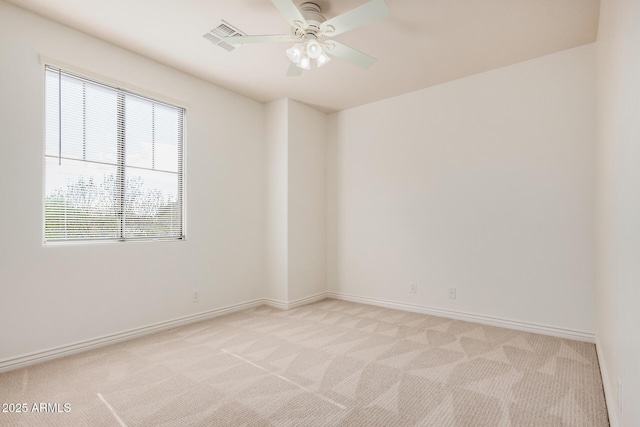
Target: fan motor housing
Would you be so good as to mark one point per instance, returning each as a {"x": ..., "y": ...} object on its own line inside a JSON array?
[{"x": 311, "y": 13}]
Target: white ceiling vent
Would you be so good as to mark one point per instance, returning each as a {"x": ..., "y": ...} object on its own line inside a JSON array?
[{"x": 223, "y": 30}]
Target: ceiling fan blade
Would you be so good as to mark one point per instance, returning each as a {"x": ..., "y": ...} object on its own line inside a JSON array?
[
  {"x": 368, "y": 12},
  {"x": 352, "y": 55},
  {"x": 290, "y": 12},
  {"x": 294, "y": 71},
  {"x": 275, "y": 38}
]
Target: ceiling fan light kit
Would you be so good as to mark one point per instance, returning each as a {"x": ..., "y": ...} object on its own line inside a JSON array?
[
  {"x": 309, "y": 28},
  {"x": 303, "y": 54}
]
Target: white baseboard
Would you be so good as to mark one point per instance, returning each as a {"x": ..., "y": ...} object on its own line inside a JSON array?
[
  {"x": 288, "y": 305},
  {"x": 612, "y": 408},
  {"x": 54, "y": 353},
  {"x": 41, "y": 356},
  {"x": 470, "y": 317},
  {"x": 275, "y": 303}
]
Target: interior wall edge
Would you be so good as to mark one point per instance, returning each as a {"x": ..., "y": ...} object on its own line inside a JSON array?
[{"x": 606, "y": 386}]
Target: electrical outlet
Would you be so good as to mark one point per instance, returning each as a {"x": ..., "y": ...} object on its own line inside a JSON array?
[
  {"x": 452, "y": 293},
  {"x": 196, "y": 296},
  {"x": 619, "y": 395},
  {"x": 414, "y": 288}
]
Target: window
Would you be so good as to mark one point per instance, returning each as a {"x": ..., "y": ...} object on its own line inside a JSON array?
[{"x": 113, "y": 163}]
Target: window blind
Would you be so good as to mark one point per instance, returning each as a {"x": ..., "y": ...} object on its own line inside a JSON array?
[{"x": 113, "y": 163}]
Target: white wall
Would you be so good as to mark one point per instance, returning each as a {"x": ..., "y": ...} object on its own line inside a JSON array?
[
  {"x": 307, "y": 201},
  {"x": 56, "y": 295},
  {"x": 485, "y": 184},
  {"x": 618, "y": 289}
]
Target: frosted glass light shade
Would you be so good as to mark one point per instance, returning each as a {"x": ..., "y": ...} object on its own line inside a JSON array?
[
  {"x": 323, "y": 59},
  {"x": 304, "y": 63},
  {"x": 295, "y": 53},
  {"x": 314, "y": 49}
]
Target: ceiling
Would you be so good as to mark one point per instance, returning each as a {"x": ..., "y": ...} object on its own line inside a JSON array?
[{"x": 421, "y": 44}]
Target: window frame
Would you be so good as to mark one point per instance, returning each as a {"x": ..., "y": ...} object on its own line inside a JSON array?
[{"x": 121, "y": 90}]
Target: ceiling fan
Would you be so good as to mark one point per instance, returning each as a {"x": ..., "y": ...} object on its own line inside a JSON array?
[{"x": 310, "y": 33}]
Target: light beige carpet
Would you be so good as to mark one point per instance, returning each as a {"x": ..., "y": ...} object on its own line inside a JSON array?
[{"x": 324, "y": 364}]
